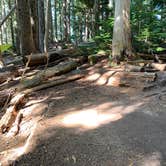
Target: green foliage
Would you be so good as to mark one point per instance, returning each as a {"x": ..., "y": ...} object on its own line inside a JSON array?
[
  {"x": 104, "y": 38},
  {"x": 158, "y": 49},
  {"x": 148, "y": 22},
  {"x": 88, "y": 3},
  {"x": 5, "y": 47}
]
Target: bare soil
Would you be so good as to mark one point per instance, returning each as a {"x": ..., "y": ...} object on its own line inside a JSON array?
[{"x": 90, "y": 123}]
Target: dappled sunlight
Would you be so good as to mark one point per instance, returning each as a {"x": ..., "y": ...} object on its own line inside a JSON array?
[
  {"x": 12, "y": 154},
  {"x": 154, "y": 159},
  {"x": 36, "y": 101},
  {"x": 108, "y": 79},
  {"x": 92, "y": 117},
  {"x": 93, "y": 77},
  {"x": 27, "y": 135},
  {"x": 58, "y": 98},
  {"x": 35, "y": 109},
  {"x": 89, "y": 119}
]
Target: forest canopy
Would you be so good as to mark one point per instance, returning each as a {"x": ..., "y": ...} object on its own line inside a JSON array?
[{"x": 76, "y": 21}]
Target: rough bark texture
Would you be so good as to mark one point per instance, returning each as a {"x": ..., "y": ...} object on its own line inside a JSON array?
[
  {"x": 39, "y": 59},
  {"x": 41, "y": 24},
  {"x": 5, "y": 95},
  {"x": 35, "y": 25},
  {"x": 121, "y": 45},
  {"x": 50, "y": 72},
  {"x": 11, "y": 113},
  {"x": 26, "y": 36}
]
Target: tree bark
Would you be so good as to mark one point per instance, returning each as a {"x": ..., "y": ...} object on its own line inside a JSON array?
[
  {"x": 121, "y": 45},
  {"x": 41, "y": 24},
  {"x": 26, "y": 36},
  {"x": 35, "y": 23},
  {"x": 42, "y": 76}
]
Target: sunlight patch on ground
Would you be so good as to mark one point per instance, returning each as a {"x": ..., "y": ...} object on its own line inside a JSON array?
[
  {"x": 32, "y": 102},
  {"x": 10, "y": 155},
  {"x": 152, "y": 160},
  {"x": 93, "y": 77},
  {"x": 92, "y": 117},
  {"x": 80, "y": 120},
  {"x": 100, "y": 115},
  {"x": 89, "y": 119}
]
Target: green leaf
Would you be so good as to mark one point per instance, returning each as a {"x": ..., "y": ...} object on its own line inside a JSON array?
[
  {"x": 5, "y": 47},
  {"x": 160, "y": 49}
]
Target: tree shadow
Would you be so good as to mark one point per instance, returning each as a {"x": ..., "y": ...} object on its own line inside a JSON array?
[{"x": 83, "y": 123}]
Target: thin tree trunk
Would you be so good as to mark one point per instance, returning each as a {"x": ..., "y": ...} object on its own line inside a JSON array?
[
  {"x": 11, "y": 25},
  {"x": 41, "y": 24},
  {"x": 55, "y": 21},
  {"x": 50, "y": 22}
]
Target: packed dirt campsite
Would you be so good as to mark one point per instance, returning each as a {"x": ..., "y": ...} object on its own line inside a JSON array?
[{"x": 82, "y": 83}]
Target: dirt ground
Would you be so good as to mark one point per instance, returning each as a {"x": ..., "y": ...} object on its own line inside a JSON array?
[{"x": 89, "y": 123}]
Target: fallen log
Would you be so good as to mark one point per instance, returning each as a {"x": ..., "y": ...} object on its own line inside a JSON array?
[
  {"x": 5, "y": 95},
  {"x": 127, "y": 79},
  {"x": 43, "y": 75},
  {"x": 12, "y": 113},
  {"x": 55, "y": 82},
  {"x": 136, "y": 79},
  {"x": 16, "y": 126},
  {"x": 157, "y": 57},
  {"x": 8, "y": 68},
  {"x": 133, "y": 68},
  {"x": 41, "y": 58},
  {"x": 140, "y": 63},
  {"x": 93, "y": 59},
  {"x": 9, "y": 117},
  {"x": 158, "y": 66},
  {"x": 8, "y": 75}
]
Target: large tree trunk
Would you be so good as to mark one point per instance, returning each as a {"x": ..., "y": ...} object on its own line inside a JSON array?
[
  {"x": 26, "y": 36},
  {"x": 121, "y": 45},
  {"x": 35, "y": 25}
]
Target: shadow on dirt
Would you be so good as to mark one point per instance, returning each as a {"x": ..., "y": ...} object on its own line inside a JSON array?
[{"x": 84, "y": 124}]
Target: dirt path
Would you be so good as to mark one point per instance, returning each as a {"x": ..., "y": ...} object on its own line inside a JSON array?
[{"x": 83, "y": 123}]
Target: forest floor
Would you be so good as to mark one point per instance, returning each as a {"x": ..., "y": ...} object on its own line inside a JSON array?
[{"x": 89, "y": 123}]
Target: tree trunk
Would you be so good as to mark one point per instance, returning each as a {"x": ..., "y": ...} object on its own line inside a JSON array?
[
  {"x": 41, "y": 24},
  {"x": 11, "y": 25},
  {"x": 121, "y": 45},
  {"x": 55, "y": 22},
  {"x": 46, "y": 27},
  {"x": 35, "y": 23},
  {"x": 26, "y": 36}
]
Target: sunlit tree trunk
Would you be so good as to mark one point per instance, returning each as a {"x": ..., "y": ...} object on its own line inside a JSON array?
[
  {"x": 46, "y": 27},
  {"x": 121, "y": 45}
]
